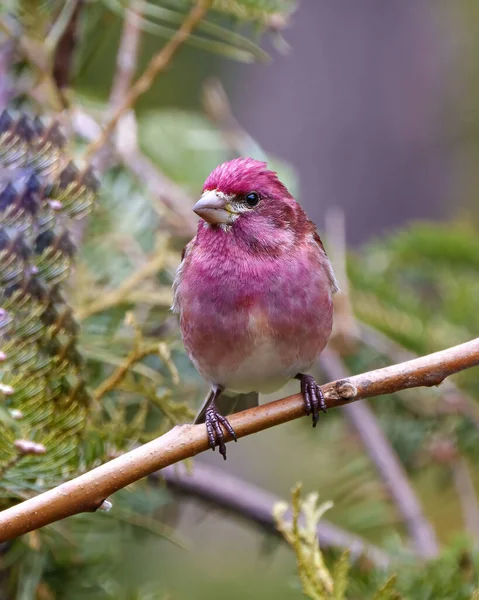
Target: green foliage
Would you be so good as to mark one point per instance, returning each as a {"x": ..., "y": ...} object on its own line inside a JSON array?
[
  {"x": 454, "y": 576},
  {"x": 419, "y": 287},
  {"x": 190, "y": 138},
  {"x": 316, "y": 580},
  {"x": 161, "y": 20},
  {"x": 41, "y": 373},
  {"x": 217, "y": 34},
  {"x": 81, "y": 394}
]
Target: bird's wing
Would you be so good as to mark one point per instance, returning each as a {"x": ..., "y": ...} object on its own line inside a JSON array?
[
  {"x": 329, "y": 267},
  {"x": 227, "y": 405},
  {"x": 179, "y": 273},
  {"x": 187, "y": 249}
]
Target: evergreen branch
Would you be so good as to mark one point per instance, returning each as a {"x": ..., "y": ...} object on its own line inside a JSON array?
[
  {"x": 316, "y": 580},
  {"x": 88, "y": 491},
  {"x": 137, "y": 355},
  {"x": 123, "y": 293},
  {"x": 38, "y": 57},
  {"x": 157, "y": 64},
  {"x": 227, "y": 492}
]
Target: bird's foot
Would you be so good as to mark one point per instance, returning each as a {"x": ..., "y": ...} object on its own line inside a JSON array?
[
  {"x": 214, "y": 427},
  {"x": 313, "y": 396}
]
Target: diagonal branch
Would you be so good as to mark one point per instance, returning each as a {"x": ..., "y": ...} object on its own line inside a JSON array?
[
  {"x": 239, "y": 497},
  {"x": 126, "y": 63},
  {"x": 388, "y": 465},
  {"x": 87, "y": 492},
  {"x": 452, "y": 398}
]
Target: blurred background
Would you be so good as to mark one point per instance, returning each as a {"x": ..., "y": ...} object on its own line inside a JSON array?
[{"x": 369, "y": 112}]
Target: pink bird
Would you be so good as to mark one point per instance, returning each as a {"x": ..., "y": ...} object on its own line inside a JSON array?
[{"x": 253, "y": 292}]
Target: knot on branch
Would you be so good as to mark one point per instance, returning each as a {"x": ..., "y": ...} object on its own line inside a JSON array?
[{"x": 343, "y": 389}]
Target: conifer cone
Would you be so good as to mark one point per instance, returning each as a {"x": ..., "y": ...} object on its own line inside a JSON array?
[{"x": 44, "y": 394}]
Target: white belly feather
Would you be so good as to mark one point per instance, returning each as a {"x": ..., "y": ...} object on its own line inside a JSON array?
[{"x": 262, "y": 370}]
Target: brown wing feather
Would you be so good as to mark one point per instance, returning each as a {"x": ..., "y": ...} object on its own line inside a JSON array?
[
  {"x": 186, "y": 249},
  {"x": 176, "y": 308},
  {"x": 331, "y": 276}
]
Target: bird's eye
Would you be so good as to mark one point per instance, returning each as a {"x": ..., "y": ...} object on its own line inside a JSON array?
[{"x": 252, "y": 199}]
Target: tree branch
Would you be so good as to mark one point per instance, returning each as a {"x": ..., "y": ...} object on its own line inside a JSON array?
[
  {"x": 224, "y": 491},
  {"x": 127, "y": 55},
  {"x": 87, "y": 492},
  {"x": 452, "y": 398},
  {"x": 388, "y": 466},
  {"x": 63, "y": 55},
  {"x": 163, "y": 191},
  {"x": 467, "y": 497},
  {"x": 126, "y": 62}
]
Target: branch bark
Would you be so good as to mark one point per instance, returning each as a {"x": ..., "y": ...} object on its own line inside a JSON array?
[
  {"x": 87, "y": 492},
  {"x": 224, "y": 491}
]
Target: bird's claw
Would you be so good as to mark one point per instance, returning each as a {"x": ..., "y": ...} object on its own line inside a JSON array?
[
  {"x": 313, "y": 397},
  {"x": 214, "y": 422}
]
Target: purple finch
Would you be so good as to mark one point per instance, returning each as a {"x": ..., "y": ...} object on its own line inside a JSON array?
[{"x": 253, "y": 292}]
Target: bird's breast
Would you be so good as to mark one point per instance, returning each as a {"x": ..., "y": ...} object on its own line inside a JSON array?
[{"x": 256, "y": 328}]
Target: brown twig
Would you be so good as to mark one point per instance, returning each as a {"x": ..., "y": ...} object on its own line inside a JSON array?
[
  {"x": 127, "y": 55},
  {"x": 63, "y": 56},
  {"x": 126, "y": 62},
  {"x": 163, "y": 190},
  {"x": 157, "y": 64},
  {"x": 171, "y": 195},
  {"x": 126, "y": 290},
  {"x": 218, "y": 109},
  {"x": 226, "y": 492},
  {"x": 388, "y": 465},
  {"x": 345, "y": 329},
  {"x": 87, "y": 492},
  {"x": 467, "y": 498},
  {"x": 111, "y": 382}
]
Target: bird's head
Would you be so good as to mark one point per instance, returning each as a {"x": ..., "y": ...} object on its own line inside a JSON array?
[{"x": 245, "y": 197}]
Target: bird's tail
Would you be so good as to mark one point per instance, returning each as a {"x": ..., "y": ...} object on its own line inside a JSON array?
[{"x": 228, "y": 404}]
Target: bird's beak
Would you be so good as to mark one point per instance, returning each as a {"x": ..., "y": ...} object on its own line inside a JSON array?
[{"x": 213, "y": 208}]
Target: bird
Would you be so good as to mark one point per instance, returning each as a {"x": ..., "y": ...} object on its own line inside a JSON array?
[{"x": 254, "y": 293}]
